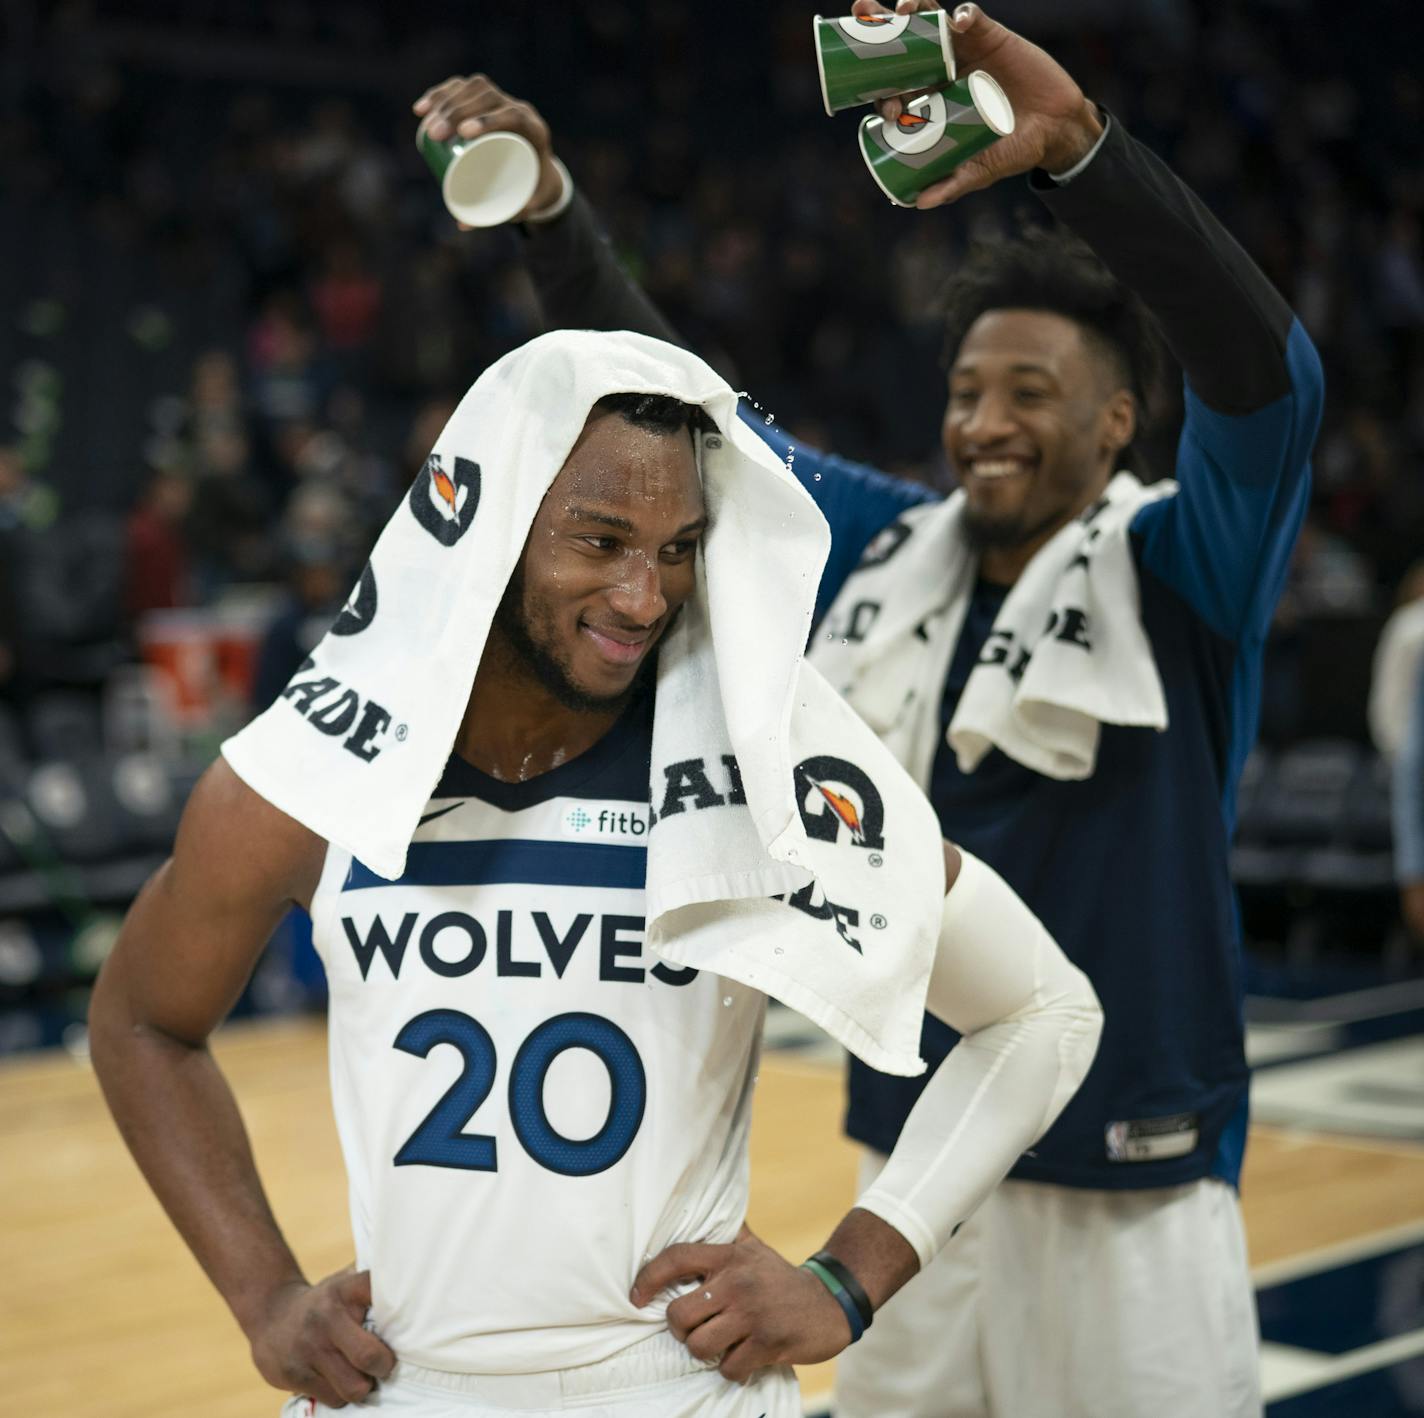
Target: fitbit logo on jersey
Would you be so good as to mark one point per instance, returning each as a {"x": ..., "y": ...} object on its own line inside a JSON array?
[
  {"x": 606, "y": 822},
  {"x": 444, "y": 502},
  {"x": 839, "y": 802},
  {"x": 328, "y": 705}
]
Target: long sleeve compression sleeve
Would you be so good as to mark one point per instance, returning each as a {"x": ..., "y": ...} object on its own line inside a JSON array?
[
  {"x": 578, "y": 280},
  {"x": 1030, "y": 1022}
]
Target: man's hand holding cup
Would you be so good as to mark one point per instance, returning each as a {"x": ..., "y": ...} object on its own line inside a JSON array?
[
  {"x": 1056, "y": 125},
  {"x": 463, "y": 109}
]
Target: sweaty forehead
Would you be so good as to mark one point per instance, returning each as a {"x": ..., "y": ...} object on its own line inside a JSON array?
[
  {"x": 617, "y": 464},
  {"x": 1006, "y": 338}
]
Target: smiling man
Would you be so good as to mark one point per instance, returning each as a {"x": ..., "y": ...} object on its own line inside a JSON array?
[
  {"x": 545, "y": 1125},
  {"x": 1053, "y": 364},
  {"x": 573, "y": 636},
  {"x": 1070, "y": 664}
]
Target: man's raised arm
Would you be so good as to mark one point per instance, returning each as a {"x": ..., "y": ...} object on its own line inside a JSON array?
[
  {"x": 581, "y": 286},
  {"x": 577, "y": 278},
  {"x": 1253, "y": 384},
  {"x": 1253, "y": 381}
]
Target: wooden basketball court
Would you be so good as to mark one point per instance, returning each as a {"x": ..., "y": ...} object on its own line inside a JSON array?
[{"x": 103, "y": 1314}]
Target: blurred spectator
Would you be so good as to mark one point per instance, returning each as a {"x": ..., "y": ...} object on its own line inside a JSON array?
[
  {"x": 1326, "y": 582},
  {"x": 232, "y": 515},
  {"x": 27, "y": 513},
  {"x": 425, "y": 428},
  {"x": 319, "y": 523},
  {"x": 320, "y": 315},
  {"x": 215, "y": 399},
  {"x": 10, "y": 624},
  {"x": 1326, "y": 577},
  {"x": 347, "y": 300},
  {"x": 156, "y": 553},
  {"x": 1399, "y": 289},
  {"x": 283, "y": 358},
  {"x": 1399, "y": 656},
  {"x": 25, "y": 505},
  {"x": 317, "y": 584}
]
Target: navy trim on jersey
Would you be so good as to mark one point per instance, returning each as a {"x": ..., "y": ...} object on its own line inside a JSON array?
[
  {"x": 512, "y": 859},
  {"x": 615, "y": 768}
]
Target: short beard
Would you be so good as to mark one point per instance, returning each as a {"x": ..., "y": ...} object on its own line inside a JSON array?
[
  {"x": 1001, "y": 533},
  {"x": 549, "y": 670}
]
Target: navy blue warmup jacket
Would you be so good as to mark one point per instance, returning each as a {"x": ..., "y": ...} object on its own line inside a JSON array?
[{"x": 1128, "y": 869}]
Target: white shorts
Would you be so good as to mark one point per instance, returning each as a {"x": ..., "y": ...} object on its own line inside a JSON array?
[
  {"x": 656, "y": 1378},
  {"x": 1056, "y": 1302}
]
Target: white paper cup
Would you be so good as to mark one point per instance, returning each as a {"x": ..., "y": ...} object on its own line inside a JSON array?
[{"x": 485, "y": 181}]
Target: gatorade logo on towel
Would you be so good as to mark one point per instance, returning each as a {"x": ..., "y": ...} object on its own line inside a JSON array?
[
  {"x": 838, "y": 802},
  {"x": 444, "y": 502}
]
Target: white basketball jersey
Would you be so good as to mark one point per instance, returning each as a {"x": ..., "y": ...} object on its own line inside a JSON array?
[{"x": 529, "y": 1106}]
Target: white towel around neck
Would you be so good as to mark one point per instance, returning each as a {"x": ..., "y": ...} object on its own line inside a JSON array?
[
  {"x": 824, "y": 817},
  {"x": 1067, "y": 652}
]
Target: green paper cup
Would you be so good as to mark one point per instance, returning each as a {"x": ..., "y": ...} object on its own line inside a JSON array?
[
  {"x": 934, "y": 134},
  {"x": 863, "y": 59},
  {"x": 485, "y": 181}
]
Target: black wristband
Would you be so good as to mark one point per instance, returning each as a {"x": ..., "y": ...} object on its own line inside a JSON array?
[{"x": 849, "y": 1283}]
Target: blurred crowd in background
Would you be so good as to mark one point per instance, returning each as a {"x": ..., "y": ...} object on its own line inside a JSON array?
[{"x": 234, "y": 315}]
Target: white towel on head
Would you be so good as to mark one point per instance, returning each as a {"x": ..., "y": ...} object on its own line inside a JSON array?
[
  {"x": 788, "y": 850},
  {"x": 1067, "y": 652}
]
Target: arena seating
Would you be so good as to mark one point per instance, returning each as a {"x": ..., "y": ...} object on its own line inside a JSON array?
[
  {"x": 1312, "y": 859},
  {"x": 83, "y": 822}
]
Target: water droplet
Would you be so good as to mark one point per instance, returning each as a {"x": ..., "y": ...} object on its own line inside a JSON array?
[
  {"x": 726, "y": 1001},
  {"x": 768, "y": 418},
  {"x": 778, "y": 951},
  {"x": 845, "y": 642},
  {"x": 817, "y": 477}
]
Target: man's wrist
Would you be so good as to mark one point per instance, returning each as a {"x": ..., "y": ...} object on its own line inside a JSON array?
[
  {"x": 1075, "y": 143},
  {"x": 253, "y": 1304},
  {"x": 555, "y": 205},
  {"x": 844, "y": 1289},
  {"x": 880, "y": 1258}
]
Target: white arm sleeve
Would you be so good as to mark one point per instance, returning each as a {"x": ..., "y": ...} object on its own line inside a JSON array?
[{"x": 1030, "y": 1022}]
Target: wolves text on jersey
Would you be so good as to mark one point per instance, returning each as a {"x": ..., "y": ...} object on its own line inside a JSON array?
[{"x": 524, "y": 945}]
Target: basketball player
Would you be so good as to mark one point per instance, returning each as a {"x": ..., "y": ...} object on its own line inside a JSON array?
[
  {"x": 1115, "y": 1254},
  {"x": 522, "y": 1232}
]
